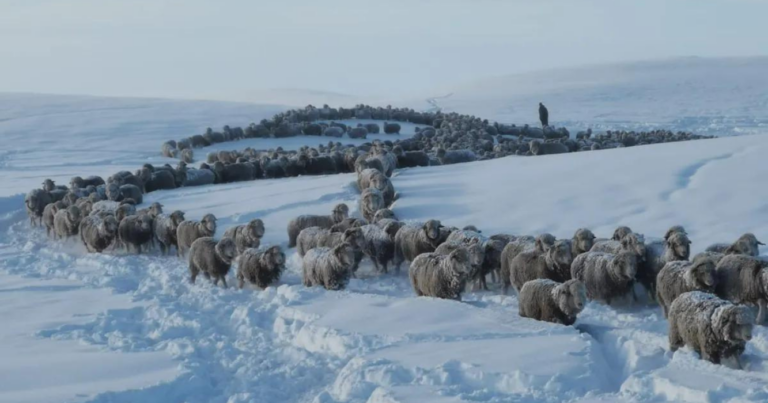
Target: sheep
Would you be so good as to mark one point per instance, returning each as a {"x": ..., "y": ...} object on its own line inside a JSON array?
[
  {"x": 66, "y": 222},
  {"x": 35, "y": 202},
  {"x": 211, "y": 258},
  {"x": 607, "y": 276},
  {"x": 411, "y": 159},
  {"x": 485, "y": 252},
  {"x": 168, "y": 149},
  {"x": 321, "y": 165},
  {"x": 261, "y": 268},
  {"x": 247, "y": 235},
  {"x": 743, "y": 279},
  {"x": 391, "y": 128},
  {"x": 313, "y": 237},
  {"x": 541, "y": 244},
  {"x": 116, "y": 192},
  {"x": 359, "y": 132},
  {"x": 712, "y": 327},
  {"x": 158, "y": 180},
  {"x": 677, "y": 246},
  {"x": 339, "y": 213},
  {"x": 440, "y": 276},
  {"x": 747, "y": 244},
  {"x": 135, "y": 230},
  {"x": 388, "y": 161},
  {"x": 455, "y": 156},
  {"x": 371, "y": 177},
  {"x": 373, "y": 128},
  {"x": 347, "y": 223},
  {"x": 582, "y": 241},
  {"x": 413, "y": 240},
  {"x": 681, "y": 276},
  {"x": 476, "y": 252},
  {"x": 364, "y": 161},
  {"x": 550, "y": 301},
  {"x": 371, "y": 201},
  {"x": 237, "y": 172},
  {"x": 98, "y": 233},
  {"x": 378, "y": 245},
  {"x": 49, "y": 186},
  {"x": 553, "y": 264},
  {"x": 118, "y": 209},
  {"x": 189, "y": 231},
  {"x": 328, "y": 267},
  {"x": 539, "y": 148},
  {"x": 80, "y": 183},
  {"x": 153, "y": 210},
  {"x": 48, "y": 214},
  {"x": 333, "y": 131},
  {"x": 383, "y": 214},
  {"x": 164, "y": 227},
  {"x": 188, "y": 155}
]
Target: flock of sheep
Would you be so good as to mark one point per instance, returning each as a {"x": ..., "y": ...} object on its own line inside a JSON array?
[{"x": 553, "y": 278}]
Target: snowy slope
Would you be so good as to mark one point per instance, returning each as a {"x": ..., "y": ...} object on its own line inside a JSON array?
[
  {"x": 707, "y": 96},
  {"x": 374, "y": 342}
]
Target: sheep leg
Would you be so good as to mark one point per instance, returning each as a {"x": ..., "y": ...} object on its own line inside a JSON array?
[
  {"x": 193, "y": 271},
  {"x": 761, "y": 304},
  {"x": 376, "y": 265},
  {"x": 224, "y": 281}
]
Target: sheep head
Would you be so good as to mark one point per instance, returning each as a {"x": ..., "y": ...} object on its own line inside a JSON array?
[
  {"x": 382, "y": 214},
  {"x": 145, "y": 223},
  {"x": 177, "y": 217},
  {"x": 109, "y": 225},
  {"x": 209, "y": 223},
  {"x": 624, "y": 265},
  {"x": 733, "y": 323},
  {"x": 459, "y": 262},
  {"x": 73, "y": 214},
  {"x": 432, "y": 230},
  {"x": 340, "y": 212},
  {"x": 354, "y": 237},
  {"x": 621, "y": 232},
  {"x": 275, "y": 256},
  {"x": 560, "y": 256},
  {"x": 226, "y": 250},
  {"x": 544, "y": 242},
  {"x": 701, "y": 275},
  {"x": 583, "y": 240},
  {"x": 676, "y": 229},
  {"x": 632, "y": 243},
  {"x": 747, "y": 244},
  {"x": 155, "y": 209},
  {"x": 345, "y": 253},
  {"x": 571, "y": 297},
  {"x": 255, "y": 229},
  {"x": 679, "y": 246}
]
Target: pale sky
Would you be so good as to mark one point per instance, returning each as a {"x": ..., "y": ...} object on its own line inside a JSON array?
[{"x": 214, "y": 49}]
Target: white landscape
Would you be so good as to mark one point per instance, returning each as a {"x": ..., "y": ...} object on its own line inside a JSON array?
[{"x": 118, "y": 327}]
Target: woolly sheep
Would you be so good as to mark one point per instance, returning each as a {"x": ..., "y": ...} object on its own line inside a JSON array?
[
  {"x": 605, "y": 275},
  {"x": 66, "y": 222},
  {"x": 488, "y": 251},
  {"x": 371, "y": 201},
  {"x": 413, "y": 240},
  {"x": 211, "y": 258},
  {"x": 80, "y": 183},
  {"x": 359, "y": 132},
  {"x": 743, "y": 279},
  {"x": 189, "y": 231},
  {"x": 313, "y": 237},
  {"x": 35, "y": 202},
  {"x": 158, "y": 180},
  {"x": 553, "y": 264},
  {"x": 373, "y": 128},
  {"x": 164, "y": 227},
  {"x": 681, "y": 276},
  {"x": 582, "y": 241},
  {"x": 712, "y": 327},
  {"x": 199, "y": 177},
  {"x": 550, "y": 301},
  {"x": 388, "y": 161},
  {"x": 378, "y": 245},
  {"x": 328, "y": 267},
  {"x": 339, "y": 213},
  {"x": 247, "y": 235},
  {"x": 188, "y": 155},
  {"x": 455, "y": 156},
  {"x": 48, "y": 215},
  {"x": 440, "y": 276},
  {"x": 383, "y": 214},
  {"x": 348, "y": 223},
  {"x": 539, "y": 148},
  {"x": 261, "y": 268},
  {"x": 118, "y": 209},
  {"x": 747, "y": 244},
  {"x": 49, "y": 186},
  {"x": 153, "y": 210},
  {"x": 135, "y": 231},
  {"x": 540, "y": 244},
  {"x": 98, "y": 233},
  {"x": 676, "y": 247},
  {"x": 168, "y": 149}
]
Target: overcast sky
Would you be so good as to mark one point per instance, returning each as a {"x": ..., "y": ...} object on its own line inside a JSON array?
[{"x": 204, "y": 49}]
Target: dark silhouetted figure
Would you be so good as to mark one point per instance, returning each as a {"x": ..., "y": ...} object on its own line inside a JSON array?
[{"x": 543, "y": 115}]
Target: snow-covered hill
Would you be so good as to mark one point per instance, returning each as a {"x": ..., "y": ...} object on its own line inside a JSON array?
[{"x": 124, "y": 328}]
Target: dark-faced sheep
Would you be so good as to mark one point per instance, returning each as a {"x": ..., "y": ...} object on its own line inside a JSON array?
[
  {"x": 606, "y": 276},
  {"x": 540, "y": 244},
  {"x": 550, "y": 301},
  {"x": 710, "y": 326},
  {"x": 554, "y": 264},
  {"x": 440, "y": 276},
  {"x": 66, "y": 222},
  {"x": 98, "y": 233},
  {"x": 135, "y": 231},
  {"x": 328, "y": 267},
  {"x": 339, "y": 213},
  {"x": 747, "y": 244},
  {"x": 211, "y": 258},
  {"x": 189, "y": 231},
  {"x": 164, "y": 227},
  {"x": 413, "y": 240},
  {"x": 681, "y": 276},
  {"x": 35, "y": 202},
  {"x": 247, "y": 235},
  {"x": 261, "y": 268},
  {"x": 743, "y": 279}
]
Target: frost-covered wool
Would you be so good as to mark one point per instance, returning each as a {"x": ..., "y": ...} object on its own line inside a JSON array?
[
  {"x": 747, "y": 244},
  {"x": 129, "y": 191},
  {"x": 78, "y": 182},
  {"x": 328, "y": 267},
  {"x": 455, "y": 156},
  {"x": 550, "y": 301},
  {"x": 211, "y": 258},
  {"x": 261, "y": 268},
  {"x": 98, "y": 233},
  {"x": 49, "y": 186},
  {"x": 188, "y": 155},
  {"x": 554, "y": 264},
  {"x": 383, "y": 214},
  {"x": 483, "y": 250},
  {"x": 364, "y": 162},
  {"x": 372, "y": 178},
  {"x": 164, "y": 227},
  {"x": 168, "y": 149},
  {"x": 621, "y": 232},
  {"x": 378, "y": 245},
  {"x": 135, "y": 231},
  {"x": 676, "y": 247},
  {"x": 440, "y": 276},
  {"x": 712, "y": 327},
  {"x": 682, "y": 276},
  {"x": 347, "y": 223},
  {"x": 390, "y": 226},
  {"x": 371, "y": 201},
  {"x": 153, "y": 210},
  {"x": 629, "y": 243},
  {"x": 237, "y": 172},
  {"x": 66, "y": 222},
  {"x": 189, "y": 231},
  {"x": 582, "y": 241},
  {"x": 338, "y": 214},
  {"x": 714, "y": 256},
  {"x": 540, "y": 244},
  {"x": 606, "y": 276},
  {"x": 118, "y": 209},
  {"x": 412, "y": 240},
  {"x": 333, "y": 131},
  {"x": 540, "y": 148},
  {"x": 199, "y": 177},
  {"x": 313, "y": 237},
  {"x": 48, "y": 213},
  {"x": 35, "y": 202},
  {"x": 158, "y": 180},
  {"x": 387, "y": 159},
  {"x": 246, "y": 235},
  {"x": 373, "y": 128},
  {"x": 743, "y": 279}
]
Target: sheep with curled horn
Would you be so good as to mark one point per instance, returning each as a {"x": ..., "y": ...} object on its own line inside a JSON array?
[
  {"x": 260, "y": 267},
  {"x": 338, "y": 214},
  {"x": 211, "y": 258},
  {"x": 246, "y": 236},
  {"x": 681, "y": 276}
]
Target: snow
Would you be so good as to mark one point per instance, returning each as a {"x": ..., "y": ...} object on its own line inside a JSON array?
[{"x": 124, "y": 328}]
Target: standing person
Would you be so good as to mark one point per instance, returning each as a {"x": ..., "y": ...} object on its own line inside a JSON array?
[{"x": 543, "y": 115}]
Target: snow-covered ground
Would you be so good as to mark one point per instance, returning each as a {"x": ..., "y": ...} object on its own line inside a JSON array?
[{"x": 124, "y": 328}]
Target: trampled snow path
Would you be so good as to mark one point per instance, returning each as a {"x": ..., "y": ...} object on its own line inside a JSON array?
[{"x": 376, "y": 342}]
